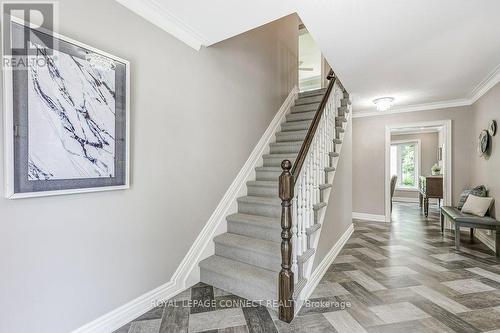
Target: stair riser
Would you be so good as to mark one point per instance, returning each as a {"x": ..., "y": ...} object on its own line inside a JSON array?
[
  {"x": 263, "y": 191},
  {"x": 269, "y": 261},
  {"x": 254, "y": 231},
  {"x": 267, "y": 175},
  {"x": 296, "y": 126},
  {"x": 285, "y": 149},
  {"x": 305, "y": 108},
  {"x": 312, "y": 93},
  {"x": 309, "y": 100},
  {"x": 275, "y": 162},
  {"x": 254, "y": 292},
  {"x": 300, "y": 116},
  {"x": 286, "y": 137},
  {"x": 259, "y": 209}
]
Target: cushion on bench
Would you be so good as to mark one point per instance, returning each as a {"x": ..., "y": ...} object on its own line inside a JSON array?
[{"x": 458, "y": 216}]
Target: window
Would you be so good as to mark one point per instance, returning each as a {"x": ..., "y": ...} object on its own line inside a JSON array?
[{"x": 405, "y": 163}]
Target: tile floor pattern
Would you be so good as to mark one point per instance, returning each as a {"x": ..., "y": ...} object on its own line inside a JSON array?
[{"x": 399, "y": 277}]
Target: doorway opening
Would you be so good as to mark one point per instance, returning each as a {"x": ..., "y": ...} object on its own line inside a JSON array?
[
  {"x": 418, "y": 166},
  {"x": 312, "y": 65}
]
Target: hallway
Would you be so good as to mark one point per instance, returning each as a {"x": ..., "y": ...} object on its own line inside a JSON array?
[{"x": 394, "y": 277}]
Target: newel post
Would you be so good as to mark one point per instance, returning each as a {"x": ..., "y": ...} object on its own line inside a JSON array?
[{"x": 286, "y": 281}]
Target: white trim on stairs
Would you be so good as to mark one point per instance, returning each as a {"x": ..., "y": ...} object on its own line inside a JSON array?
[
  {"x": 187, "y": 272},
  {"x": 320, "y": 271},
  {"x": 368, "y": 217},
  {"x": 159, "y": 16}
]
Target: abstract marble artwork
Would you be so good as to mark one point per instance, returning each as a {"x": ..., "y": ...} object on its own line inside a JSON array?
[
  {"x": 67, "y": 118},
  {"x": 71, "y": 118}
]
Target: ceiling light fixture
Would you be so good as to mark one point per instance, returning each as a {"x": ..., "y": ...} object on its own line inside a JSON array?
[{"x": 384, "y": 103}]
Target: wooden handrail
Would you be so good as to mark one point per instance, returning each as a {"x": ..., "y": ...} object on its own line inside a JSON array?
[
  {"x": 286, "y": 193},
  {"x": 304, "y": 149}
]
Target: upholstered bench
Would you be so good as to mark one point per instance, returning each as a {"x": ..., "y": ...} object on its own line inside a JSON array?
[{"x": 470, "y": 221}]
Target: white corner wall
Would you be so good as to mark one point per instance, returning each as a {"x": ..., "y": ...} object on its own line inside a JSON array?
[{"x": 195, "y": 118}]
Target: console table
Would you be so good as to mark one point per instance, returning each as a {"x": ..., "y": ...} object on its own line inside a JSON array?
[{"x": 430, "y": 187}]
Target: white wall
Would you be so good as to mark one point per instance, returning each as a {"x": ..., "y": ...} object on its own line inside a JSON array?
[{"x": 195, "y": 118}]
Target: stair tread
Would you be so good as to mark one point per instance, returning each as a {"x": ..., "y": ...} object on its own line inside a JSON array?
[
  {"x": 263, "y": 183},
  {"x": 287, "y": 143},
  {"x": 308, "y": 93},
  {"x": 334, "y": 154},
  {"x": 268, "y": 168},
  {"x": 300, "y": 123},
  {"x": 299, "y": 116},
  {"x": 309, "y": 99},
  {"x": 305, "y": 108},
  {"x": 329, "y": 169},
  {"x": 256, "y": 220},
  {"x": 281, "y": 155},
  {"x": 256, "y": 245},
  {"x": 296, "y": 132},
  {"x": 245, "y": 272},
  {"x": 260, "y": 200}
]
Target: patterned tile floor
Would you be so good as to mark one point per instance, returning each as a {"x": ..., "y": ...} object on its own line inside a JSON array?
[{"x": 403, "y": 276}]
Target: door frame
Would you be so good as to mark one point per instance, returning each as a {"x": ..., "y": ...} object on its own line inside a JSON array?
[{"x": 447, "y": 156}]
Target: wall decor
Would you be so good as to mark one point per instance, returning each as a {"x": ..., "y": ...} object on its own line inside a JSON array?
[
  {"x": 492, "y": 128},
  {"x": 67, "y": 118},
  {"x": 484, "y": 142}
]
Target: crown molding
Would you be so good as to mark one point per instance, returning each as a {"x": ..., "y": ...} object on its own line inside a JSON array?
[
  {"x": 415, "y": 108},
  {"x": 159, "y": 16},
  {"x": 485, "y": 85}
]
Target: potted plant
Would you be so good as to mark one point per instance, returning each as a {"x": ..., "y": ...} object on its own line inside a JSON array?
[{"x": 436, "y": 170}]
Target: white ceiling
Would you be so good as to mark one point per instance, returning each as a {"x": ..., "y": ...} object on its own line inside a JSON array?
[{"x": 422, "y": 52}]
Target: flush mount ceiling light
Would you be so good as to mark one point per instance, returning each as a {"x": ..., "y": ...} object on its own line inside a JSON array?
[{"x": 384, "y": 103}]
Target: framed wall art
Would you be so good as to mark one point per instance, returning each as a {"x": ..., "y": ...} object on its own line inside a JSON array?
[{"x": 66, "y": 117}]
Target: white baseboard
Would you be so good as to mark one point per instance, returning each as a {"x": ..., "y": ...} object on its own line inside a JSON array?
[
  {"x": 187, "y": 272},
  {"x": 368, "y": 217},
  {"x": 320, "y": 271},
  {"x": 115, "y": 319},
  {"x": 413, "y": 200},
  {"x": 484, "y": 238}
]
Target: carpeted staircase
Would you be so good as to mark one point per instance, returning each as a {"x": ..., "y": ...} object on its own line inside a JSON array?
[{"x": 247, "y": 258}]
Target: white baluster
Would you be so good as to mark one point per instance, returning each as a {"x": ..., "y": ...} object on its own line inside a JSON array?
[
  {"x": 300, "y": 213},
  {"x": 294, "y": 239}
]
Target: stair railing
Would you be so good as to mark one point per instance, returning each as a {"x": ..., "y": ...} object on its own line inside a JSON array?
[{"x": 299, "y": 191}]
